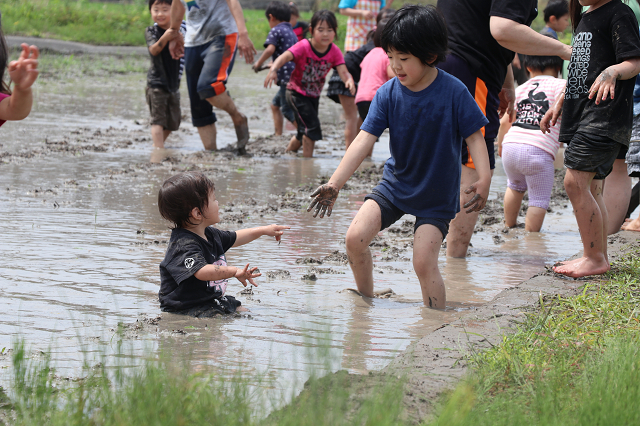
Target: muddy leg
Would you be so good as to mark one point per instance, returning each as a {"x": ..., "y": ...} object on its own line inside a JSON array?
[
  {"x": 585, "y": 195},
  {"x": 294, "y": 145},
  {"x": 512, "y": 204},
  {"x": 363, "y": 229},
  {"x": 225, "y": 103},
  {"x": 351, "y": 116},
  {"x": 617, "y": 193},
  {"x": 278, "y": 119},
  {"x": 208, "y": 135},
  {"x": 307, "y": 146},
  {"x": 426, "y": 247},
  {"x": 157, "y": 135}
]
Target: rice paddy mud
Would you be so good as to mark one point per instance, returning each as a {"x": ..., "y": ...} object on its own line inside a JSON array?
[{"x": 82, "y": 241}]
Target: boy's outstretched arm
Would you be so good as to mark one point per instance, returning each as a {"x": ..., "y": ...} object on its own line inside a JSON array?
[
  {"x": 270, "y": 49},
  {"x": 478, "y": 150},
  {"x": 245, "y": 236},
  {"x": 605, "y": 84},
  {"x": 326, "y": 195}
]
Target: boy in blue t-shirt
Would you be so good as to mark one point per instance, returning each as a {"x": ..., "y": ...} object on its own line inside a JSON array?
[
  {"x": 428, "y": 113},
  {"x": 279, "y": 40}
]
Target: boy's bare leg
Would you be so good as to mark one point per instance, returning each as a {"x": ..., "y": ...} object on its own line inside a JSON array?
[
  {"x": 617, "y": 193},
  {"x": 225, "y": 103},
  {"x": 426, "y": 247},
  {"x": 585, "y": 195},
  {"x": 351, "y": 116},
  {"x": 278, "y": 119},
  {"x": 535, "y": 218},
  {"x": 461, "y": 228},
  {"x": 294, "y": 145},
  {"x": 512, "y": 204},
  {"x": 364, "y": 227},
  {"x": 166, "y": 133},
  {"x": 208, "y": 135},
  {"x": 157, "y": 135},
  {"x": 307, "y": 146}
]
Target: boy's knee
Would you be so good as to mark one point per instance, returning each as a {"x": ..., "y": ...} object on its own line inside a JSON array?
[{"x": 356, "y": 242}]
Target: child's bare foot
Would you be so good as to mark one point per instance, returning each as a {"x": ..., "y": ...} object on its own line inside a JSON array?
[
  {"x": 584, "y": 267},
  {"x": 294, "y": 145},
  {"x": 569, "y": 262},
  {"x": 631, "y": 225}
]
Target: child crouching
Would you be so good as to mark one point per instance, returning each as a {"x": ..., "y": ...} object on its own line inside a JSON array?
[{"x": 194, "y": 272}]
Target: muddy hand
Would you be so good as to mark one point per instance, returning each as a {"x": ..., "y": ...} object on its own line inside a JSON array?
[
  {"x": 604, "y": 85},
  {"x": 477, "y": 203},
  {"x": 246, "y": 274},
  {"x": 325, "y": 196}
]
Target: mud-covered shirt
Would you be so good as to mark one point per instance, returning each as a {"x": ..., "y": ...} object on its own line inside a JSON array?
[
  {"x": 470, "y": 36},
  {"x": 604, "y": 37},
  {"x": 207, "y": 19},
  {"x": 187, "y": 253},
  {"x": 164, "y": 72}
]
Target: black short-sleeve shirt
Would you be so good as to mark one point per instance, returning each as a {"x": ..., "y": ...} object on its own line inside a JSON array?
[
  {"x": 186, "y": 254},
  {"x": 604, "y": 37},
  {"x": 470, "y": 35},
  {"x": 164, "y": 72}
]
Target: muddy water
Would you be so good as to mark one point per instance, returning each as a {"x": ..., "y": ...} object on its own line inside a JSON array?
[{"x": 81, "y": 241}]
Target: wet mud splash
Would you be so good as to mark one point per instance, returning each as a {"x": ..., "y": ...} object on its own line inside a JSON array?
[{"x": 83, "y": 239}]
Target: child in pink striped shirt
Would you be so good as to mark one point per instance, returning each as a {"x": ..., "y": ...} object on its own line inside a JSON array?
[{"x": 528, "y": 154}]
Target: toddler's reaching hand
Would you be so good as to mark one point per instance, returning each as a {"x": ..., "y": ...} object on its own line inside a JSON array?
[{"x": 246, "y": 274}]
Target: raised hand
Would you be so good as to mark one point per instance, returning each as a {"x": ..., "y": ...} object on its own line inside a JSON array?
[
  {"x": 24, "y": 71},
  {"x": 325, "y": 197},
  {"x": 246, "y": 274}
]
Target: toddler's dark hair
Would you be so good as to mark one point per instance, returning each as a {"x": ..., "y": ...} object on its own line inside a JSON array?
[
  {"x": 279, "y": 10},
  {"x": 324, "y": 16},
  {"x": 557, "y": 8},
  {"x": 541, "y": 63},
  {"x": 4, "y": 59},
  {"x": 182, "y": 193},
  {"x": 152, "y": 2},
  {"x": 417, "y": 30},
  {"x": 294, "y": 9}
]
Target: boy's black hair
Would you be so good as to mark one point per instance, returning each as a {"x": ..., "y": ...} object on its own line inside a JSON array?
[
  {"x": 324, "y": 16},
  {"x": 152, "y": 2},
  {"x": 180, "y": 194},
  {"x": 279, "y": 10},
  {"x": 4, "y": 58},
  {"x": 385, "y": 13},
  {"x": 557, "y": 8},
  {"x": 417, "y": 30},
  {"x": 294, "y": 9}
]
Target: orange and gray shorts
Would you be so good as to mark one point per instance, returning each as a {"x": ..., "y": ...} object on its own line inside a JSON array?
[
  {"x": 487, "y": 99},
  {"x": 207, "y": 68}
]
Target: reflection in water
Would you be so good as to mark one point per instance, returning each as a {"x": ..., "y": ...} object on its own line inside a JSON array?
[{"x": 81, "y": 254}]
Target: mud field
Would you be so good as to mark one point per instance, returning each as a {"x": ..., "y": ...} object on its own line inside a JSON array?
[{"x": 82, "y": 238}]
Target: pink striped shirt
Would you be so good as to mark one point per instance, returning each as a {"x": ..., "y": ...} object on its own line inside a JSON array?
[{"x": 533, "y": 100}]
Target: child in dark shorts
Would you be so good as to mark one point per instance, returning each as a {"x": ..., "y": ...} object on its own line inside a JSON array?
[
  {"x": 280, "y": 38},
  {"x": 194, "y": 272},
  {"x": 314, "y": 58},
  {"x": 428, "y": 113},
  {"x": 597, "y": 113},
  {"x": 163, "y": 78}
]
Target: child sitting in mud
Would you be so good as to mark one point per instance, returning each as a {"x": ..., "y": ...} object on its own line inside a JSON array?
[
  {"x": 527, "y": 154},
  {"x": 16, "y": 104},
  {"x": 428, "y": 113},
  {"x": 194, "y": 272},
  {"x": 313, "y": 59},
  {"x": 280, "y": 38},
  {"x": 163, "y": 78}
]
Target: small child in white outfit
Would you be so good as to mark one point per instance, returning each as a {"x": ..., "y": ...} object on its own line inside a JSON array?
[{"x": 528, "y": 154}]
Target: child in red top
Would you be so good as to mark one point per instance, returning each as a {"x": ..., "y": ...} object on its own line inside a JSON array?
[
  {"x": 23, "y": 72},
  {"x": 313, "y": 59}
]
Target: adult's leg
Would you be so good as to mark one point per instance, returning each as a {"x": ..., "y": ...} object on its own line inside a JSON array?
[
  {"x": 585, "y": 195},
  {"x": 426, "y": 247},
  {"x": 364, "y": 227},
  {"x": 617, "y": 193},
  {"x": 208, "y": 135},
  {"x": 225, "y": 103},
  {"x": 351, "y": 116},
  {"x": 512, "y": 204}
]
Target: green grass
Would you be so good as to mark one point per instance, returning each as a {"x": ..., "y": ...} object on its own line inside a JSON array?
[{"x": 574, "y": 362}]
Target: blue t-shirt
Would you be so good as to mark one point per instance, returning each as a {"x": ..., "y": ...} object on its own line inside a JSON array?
[
  {"x": 426, "y": 130},
  {"x": 282, "y": 37}
]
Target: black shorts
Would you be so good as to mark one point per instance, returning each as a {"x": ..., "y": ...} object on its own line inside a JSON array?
[
  {"x": 336, "y": 87},
  {"x": 363, "y": 109},
  {"x": 591, "y": 153},
  {"x": 305, "y": 109},
  {"x": 623, "y": 152},
  {"x": 223, "y": 305},
  {"x": 390, "y": 215}
]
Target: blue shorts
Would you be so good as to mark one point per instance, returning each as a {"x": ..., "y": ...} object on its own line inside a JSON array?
[
  {"x": 280, "y": 100},
  {"x": 390, "y": 215},
  {"x": 207, "y": 68}
]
